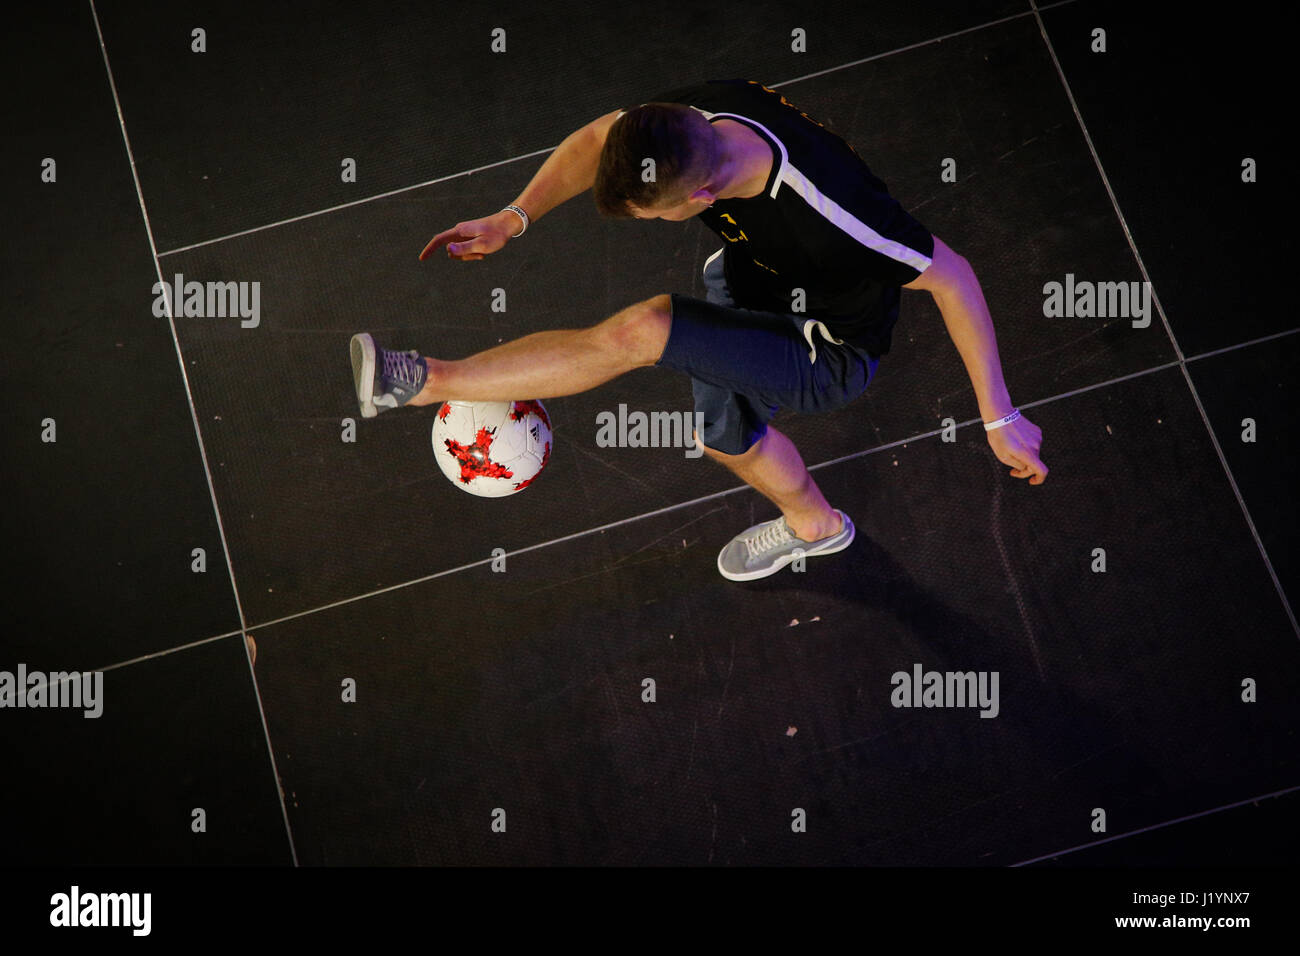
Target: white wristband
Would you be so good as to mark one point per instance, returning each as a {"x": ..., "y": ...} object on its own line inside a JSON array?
[
  {"x": 523, "y": 217},
  {"x": 1015, "y": 414}
]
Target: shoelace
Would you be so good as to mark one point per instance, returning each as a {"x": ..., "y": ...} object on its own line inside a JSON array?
[
  {"x": 400, "y": 367},
  {"x": 773, "y": 536}
]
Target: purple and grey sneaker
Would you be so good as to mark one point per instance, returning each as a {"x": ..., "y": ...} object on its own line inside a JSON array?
[{"x": 384, "y": 379}]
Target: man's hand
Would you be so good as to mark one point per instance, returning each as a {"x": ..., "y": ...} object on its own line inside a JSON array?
[
  {"x": 1017, "y": 445},
  {"x": 475, "y": 239},
  {"x": 569, "y": 170}
]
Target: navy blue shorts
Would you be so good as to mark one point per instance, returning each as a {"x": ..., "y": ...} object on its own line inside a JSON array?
[{"x": 745, "y": 365}]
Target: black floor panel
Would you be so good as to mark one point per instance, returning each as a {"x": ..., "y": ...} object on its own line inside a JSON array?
[
  {"x": 176, "y": 734},
  {"x": 522, "y": 690},
  {"x": 1173, "y": 112},
  {"x": 100, "y": 525}
]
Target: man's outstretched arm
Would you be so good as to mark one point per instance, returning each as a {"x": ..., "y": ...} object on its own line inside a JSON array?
[
  {"x": 568, "y": 171},
  {"x": 956, "y": 291}
]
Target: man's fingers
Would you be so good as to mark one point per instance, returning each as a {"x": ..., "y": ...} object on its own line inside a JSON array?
[
  {"x": 1035, "y": 470},
  {"x": 1027, "y": 466},
  {"x": 1019, "y": 450},
  {"x": 440, "y": 240}
]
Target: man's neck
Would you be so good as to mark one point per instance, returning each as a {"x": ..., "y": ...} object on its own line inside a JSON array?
[{"x": 746, "y": 161}]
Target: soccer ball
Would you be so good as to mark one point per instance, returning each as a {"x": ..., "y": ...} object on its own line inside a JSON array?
[{"x": 492, "y": 449}]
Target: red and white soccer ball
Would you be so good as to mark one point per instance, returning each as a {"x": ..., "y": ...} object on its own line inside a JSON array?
[{"x": 492, "y": 449}]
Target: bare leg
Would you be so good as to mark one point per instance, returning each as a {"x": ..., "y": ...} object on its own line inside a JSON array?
[
  {"x": 774, "y": 469},
  {"x": 555, "y": 363}
]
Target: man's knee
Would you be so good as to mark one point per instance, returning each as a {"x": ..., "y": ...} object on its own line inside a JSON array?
[{"x": 640, "y": 332}]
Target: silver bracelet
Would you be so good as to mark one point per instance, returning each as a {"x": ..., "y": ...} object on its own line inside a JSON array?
[
  {"x": 522, "y": 215},
  {"x": 1007, "y": 420}
]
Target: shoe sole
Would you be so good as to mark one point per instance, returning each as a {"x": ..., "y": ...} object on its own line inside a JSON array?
[
  {"x": 789, "y": 558},
  {"x": 363, "y": 370}
]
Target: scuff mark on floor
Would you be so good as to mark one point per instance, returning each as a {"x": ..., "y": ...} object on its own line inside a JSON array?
[{"x": 1011, "y": 577}]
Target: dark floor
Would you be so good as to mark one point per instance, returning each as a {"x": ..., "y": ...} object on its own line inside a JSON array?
[{"x": 478, "y": 692}]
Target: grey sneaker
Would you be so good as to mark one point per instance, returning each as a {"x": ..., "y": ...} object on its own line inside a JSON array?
[
  {"x": 768, "y": 547},
  {"x": 384, "y": 379}
]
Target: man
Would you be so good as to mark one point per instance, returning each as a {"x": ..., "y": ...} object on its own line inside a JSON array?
[{"x": 802, "y": 299}]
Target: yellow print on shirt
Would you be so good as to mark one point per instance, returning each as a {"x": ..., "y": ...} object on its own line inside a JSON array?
[
  {"x": 786, "y": 102},
  {"x": 738, "y": 238},
  {"x": 741, "y": 237}
]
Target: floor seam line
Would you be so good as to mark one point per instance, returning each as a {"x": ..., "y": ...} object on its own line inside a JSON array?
[
  {"x": 1158, "y": 826},
  {"x": 194, "y": 416},
  {"x": 1155, "y": 299}
]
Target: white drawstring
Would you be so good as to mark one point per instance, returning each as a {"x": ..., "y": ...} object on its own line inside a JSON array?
[{"x": 808, "y": 334}]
